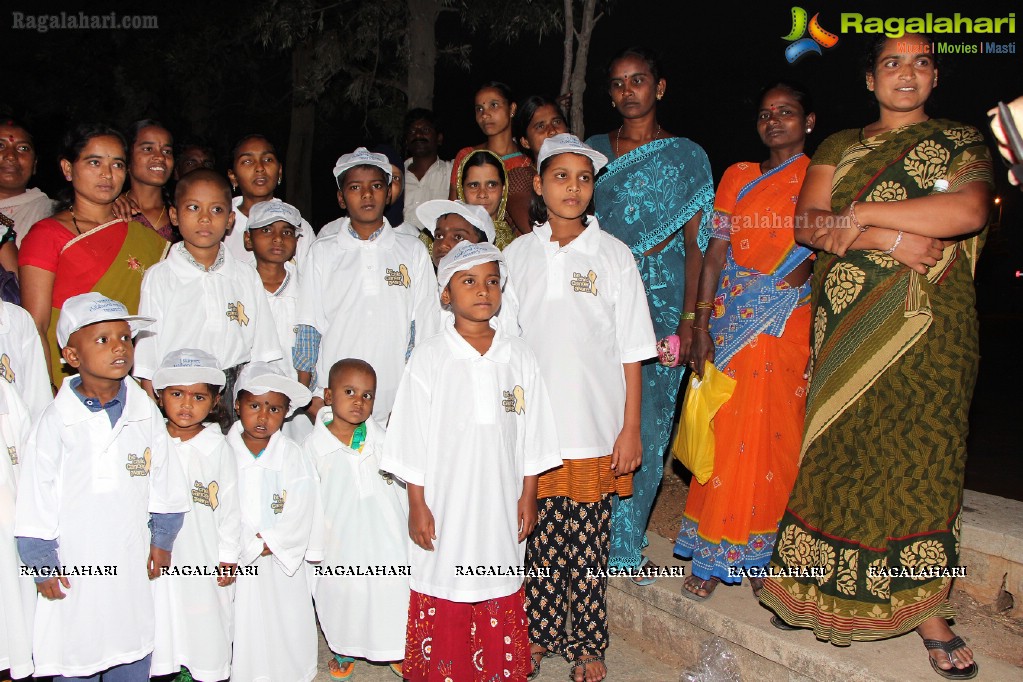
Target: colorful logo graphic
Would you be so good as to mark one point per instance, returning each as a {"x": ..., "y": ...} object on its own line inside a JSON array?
[{"x": 801, "y": 46}]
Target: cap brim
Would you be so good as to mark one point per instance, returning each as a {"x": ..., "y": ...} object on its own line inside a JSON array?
[
  {"x": 186, "y": 376},
  {"x": 136, "y": 323},
  {"x": 298, "y": 395},
  {"x": 446, "y": 276}
]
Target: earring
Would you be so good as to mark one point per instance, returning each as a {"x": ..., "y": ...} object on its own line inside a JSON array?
[
  {"x": 234, "y": 188},
  {"x": 808, "y": 130},
  {"x": 278, "y": 182},
  {"x": 612, "y": 104}
]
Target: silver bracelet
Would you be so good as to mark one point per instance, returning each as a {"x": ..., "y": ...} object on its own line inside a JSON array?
[{"x": 898, "y": 240}]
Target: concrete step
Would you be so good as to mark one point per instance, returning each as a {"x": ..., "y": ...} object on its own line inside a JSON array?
[{"x": 675, "y": 628}]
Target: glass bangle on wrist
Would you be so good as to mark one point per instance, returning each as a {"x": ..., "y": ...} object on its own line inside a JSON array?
[{"x": 688, "y": 316}]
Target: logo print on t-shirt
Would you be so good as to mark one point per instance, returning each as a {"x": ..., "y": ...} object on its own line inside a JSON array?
[
  {"x": 278, "y": 504},
  {"x": 514, "y": 400},
  {"x": 585, "y": 284},
  {"x": 206, "y": 495},
  {"x": 6, "y": 371},
  {"x": 399, "y": 277},
  {"x": 236, "y": 313},
  {"x": 12, "y": 452},
  {"x": 139, "y": 466}
]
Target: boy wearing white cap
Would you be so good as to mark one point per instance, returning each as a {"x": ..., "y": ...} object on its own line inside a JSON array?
[
  {"x": 362, "y": 612},
  {"x": 201, "y": 296},
  {"x": 451, "y": 222},
  {"x": 362, "y": 289},
  {"x": 97, "y": 469},
  {"x": 471, "y": 430},
  {"x": 195, "y": 600},
  {"x": 282, "y": 526}
]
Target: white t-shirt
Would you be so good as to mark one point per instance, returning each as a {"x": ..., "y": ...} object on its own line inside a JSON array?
[
  {"x": 435, "y": 185},
  {"x": 92, "y": 487},
  {"x": 468, "y": 428},
  {"x": 362, "y": 613},
  {"x": 275, "y": 626},
  {"x": 583, "y": 311},
  {"x": 17, "y": 592},
  {"x": 222, "y": 311},
  {"x": 193, "y": 614},
  {"x": 235, "y": 237},
  {"x": 26, "y": 209},
  {"x": 334, "y": 226},
  {"x": 21, "y": 358},
  {"x": 363, "y": 296}
]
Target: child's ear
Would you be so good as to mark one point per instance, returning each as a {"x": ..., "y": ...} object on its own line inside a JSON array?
[
  {"x": 173, "y": 213},
  {"x": 341, "y": 200},
  {"x": 159, "y": 397},
  {"x": 70, "y": 355},
  {"x": 233, "y": 179},
  {"x": 537, "y": 185},
  {"x": 328, "y": 397},
  {"x": 238, "y": 407},
  {"x": 247, "y": 240},
  {"x": 445, "y": 296},
  {"x": 230, "y": 220}
]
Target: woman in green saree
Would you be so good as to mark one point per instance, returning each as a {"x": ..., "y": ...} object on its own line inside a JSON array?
[{"x": 897, "y": 212}]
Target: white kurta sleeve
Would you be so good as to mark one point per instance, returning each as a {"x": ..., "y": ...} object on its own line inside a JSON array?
[
  {"x": 317, "y": 531},
  {"x": 542, "y": 450},
  {"x": 266, "y": 345},
  {"x": 146, "y": 346},
  {"x": 404, "y": 452},
  {"x": 633, "y": 326},
  {"x": 168, "y": 485},
  {"x": 288, "y": 539},
  {"x": 32, "y": 379},
  {"x": 311, "y": 290},
  {"x": 38, "y": 506},
  {"x": 229, "y": 515},
  {"x": 427, "y": 300}
]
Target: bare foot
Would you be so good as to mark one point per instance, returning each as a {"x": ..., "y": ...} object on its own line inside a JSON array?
[
  {"x": 756, "y": 584},
  {"x": 937, "y": 628},
  {"x": 701, "y": 588},
  {"x": 588, "y": 669}
]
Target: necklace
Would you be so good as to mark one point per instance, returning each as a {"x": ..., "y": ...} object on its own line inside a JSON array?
[
  {"x": 618, "y": 137},
  {"x": 155, "y": 225},
  {"x": 74, "y": 220}
]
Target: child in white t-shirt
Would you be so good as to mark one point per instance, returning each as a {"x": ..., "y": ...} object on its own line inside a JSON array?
[
  {"x": 282, "y": 526},
  {"x": 202, "y": 296},
  {"x": 22, "y": 363},
  {"x": 581, "y": 307},
  {"x": 471, "y": 430},
  {"x": 361, "y": 589},
  {"x": 195, "y": 599},
  {"x": 362, "y": 289}
]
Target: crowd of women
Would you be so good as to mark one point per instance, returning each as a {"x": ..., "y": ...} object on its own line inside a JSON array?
[{"x": 837, "y": 292}]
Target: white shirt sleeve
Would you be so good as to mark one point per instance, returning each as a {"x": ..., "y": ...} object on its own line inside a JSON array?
[
  {"x": 229, "y": 515},
  {"x": 542, "y": 451},
  {"x": 146, "y": 346},
  {"x": 309, "y": 310},
  {"x": 288, "y": 539},
  {"x": 168, "y": 485},
  {"x": 38, "y": 505},
  {"x": 633, "y": 326},
  {"x": 404, "y": 452},
  {"x": 33, "y": 379},
  {"x": 426, "y": 305},
  {"x": 266, "y": 345}
]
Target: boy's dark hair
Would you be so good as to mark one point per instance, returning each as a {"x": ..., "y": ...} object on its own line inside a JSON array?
[
  {"x": 344, "y": 176},
  {"x": 218, "y": 415},
  {"x": 481, "y": 236},
  {"x": 349, "y": 363},
  {"x": 202, "y": 175}
]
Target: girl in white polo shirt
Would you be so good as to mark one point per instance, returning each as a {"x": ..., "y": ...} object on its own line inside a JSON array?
[{"x": 580, "y": 304}]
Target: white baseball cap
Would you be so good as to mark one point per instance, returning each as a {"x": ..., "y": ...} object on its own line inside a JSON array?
[
  {"x": 362, "y": 157},
  {"x": 567, "y": 143},
  {"x": 262, "y": 377},
  {"x": 429, "y": 212},
  {"x": 90, "y": 308},
  {"x": 269, "y": 212},
  {"x": 186, "y": 367},
  {"x": 466, "y": 255}
]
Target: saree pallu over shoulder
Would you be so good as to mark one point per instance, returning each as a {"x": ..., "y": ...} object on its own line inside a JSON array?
[
  {"x": 868, "y": 308},
  {"x": 650, "y": 193}
]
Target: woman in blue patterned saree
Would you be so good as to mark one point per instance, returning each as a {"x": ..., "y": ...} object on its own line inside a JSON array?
[{"x": 657, "y": 196}]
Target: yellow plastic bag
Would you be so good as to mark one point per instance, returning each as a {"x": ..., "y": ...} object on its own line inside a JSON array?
[{"x": 694, "y": 440}]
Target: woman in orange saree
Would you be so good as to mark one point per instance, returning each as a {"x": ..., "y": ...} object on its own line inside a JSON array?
[
  {"x": 85, "y": 248},
  {"x": 752, "y": 322}
]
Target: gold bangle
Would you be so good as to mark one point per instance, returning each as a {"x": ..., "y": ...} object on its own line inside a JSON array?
[
  {"x": 688, "y": 316},
  {"x": 700, "y": 329},
  {"x": 704, "y": 305}
]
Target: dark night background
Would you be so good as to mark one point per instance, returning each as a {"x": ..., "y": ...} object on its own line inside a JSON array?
[{"x": 206, "y": 65}]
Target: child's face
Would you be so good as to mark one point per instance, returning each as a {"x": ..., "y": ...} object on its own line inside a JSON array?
[
  {"x": 275, "y": 243},
  {"x": 482, "y": 186},
  {"x": 102, "y": 350},
  {"x": 364, "y": 195},
  {"x": 474, "y": 294},
  {"x": 261, "y": 416},
  {"x": 451, "y": 229},
  {"x": 397, "y": 184},
  {"x": 203, "y": 214},
  {"x": 256, "y": 170},
  {"x": 351, "y": 395},
  {"x": 152, "y": 157},
  {"x": 187, "y": 406},
  {"x": 566, "y": 185}
]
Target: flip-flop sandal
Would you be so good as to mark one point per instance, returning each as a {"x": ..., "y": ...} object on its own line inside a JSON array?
[
  {"x": 585, "y": 661},
  {"x": 702, "y": 586},
  {"x": 341, "y": 667},
  {"x": 535, "y": 672},
  {"x": 777, "y": 622},
  {"x": 647, "y": 579},
  {"x": 967, "y": 673},
  {"x": 397, "y": 668}
]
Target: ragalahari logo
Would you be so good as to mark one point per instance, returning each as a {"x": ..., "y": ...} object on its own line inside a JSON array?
[{"x": 801, "y": 46}]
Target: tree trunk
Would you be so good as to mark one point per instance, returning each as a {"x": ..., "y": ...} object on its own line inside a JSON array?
[
  {"x": 579, "y": 68},
  {"x": 298, "y": 168},
  {"x": 422, "y": 44},
  {"x": 566, "y": 64}
]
